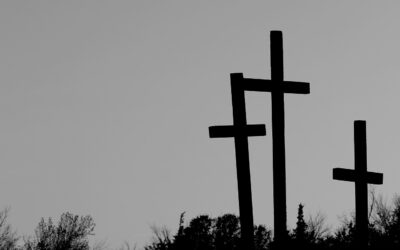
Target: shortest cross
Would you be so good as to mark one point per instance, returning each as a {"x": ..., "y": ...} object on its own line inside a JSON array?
[{"x": 362, "y": 178}]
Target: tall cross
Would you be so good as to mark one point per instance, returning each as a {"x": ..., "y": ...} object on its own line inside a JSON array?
[
  {"x": 362, "y": 178},
  {"x": 240, "y": 131},
  {"x": 278, "y": 87}
]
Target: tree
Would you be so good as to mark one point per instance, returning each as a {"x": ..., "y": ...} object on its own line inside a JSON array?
[
  {"x": 300, "y": 232},
  {"x": 317, "y": 228},
  {"x": 199, "y": 233},
  {"x": 262, "y": 238},
  {"x": 385, "y": 224},
  {"x": 226, "y": 232},
  {"x": 344, "y": 237},
  {"x": 161, "y": 239},
  {"x": 221, "y": 233},
  {"x": 71, "y": 233},
  {"x": 179, "y": 238},
  {"x": 8, "y": 238}
]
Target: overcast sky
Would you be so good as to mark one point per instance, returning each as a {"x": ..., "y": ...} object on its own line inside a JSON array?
[{"x": 105, "y": 107}]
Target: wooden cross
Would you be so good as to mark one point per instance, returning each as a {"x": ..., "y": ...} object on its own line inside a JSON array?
[
  {"x": 362, "y": 178},
  {"x": 240, "y": 131},
  {"x": 277, "y": 86}
]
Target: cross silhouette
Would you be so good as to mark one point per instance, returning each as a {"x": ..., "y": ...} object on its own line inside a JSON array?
[
  {"x": 240, "y": 131},
  {"x": 278, "y": 87},
  {"x": 361, "y": 177}
]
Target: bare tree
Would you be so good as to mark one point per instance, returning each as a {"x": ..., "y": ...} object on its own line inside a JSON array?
[
  {"x": 161, "y": 238},
  {"x": 317, "y": 226},
  {"x": 380, "y": 212},
  {"x": 8, "y": 237},
  {"x": 71, "y": 232}
]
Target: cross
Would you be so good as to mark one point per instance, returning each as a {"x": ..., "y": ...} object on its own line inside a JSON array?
[
  {"x": 361, "y": 177},
  {"x": 240, "y": 131},
  {"x": 277, "y": 86}
]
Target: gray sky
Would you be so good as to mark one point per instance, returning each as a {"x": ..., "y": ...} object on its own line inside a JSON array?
[{"x": 105, "y": 107}]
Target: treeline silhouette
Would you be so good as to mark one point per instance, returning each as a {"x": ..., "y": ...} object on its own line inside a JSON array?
[
  {"x": 223, "y": 232},
  {"x": 71, "y": 232},
  {"x": 203, "y": 232}
]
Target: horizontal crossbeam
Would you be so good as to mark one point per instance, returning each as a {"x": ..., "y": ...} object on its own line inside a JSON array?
[
  {"x": 232, "y": 131},
  {"x": 351, "y": 175},
  {"x": 264, "y": 85}
]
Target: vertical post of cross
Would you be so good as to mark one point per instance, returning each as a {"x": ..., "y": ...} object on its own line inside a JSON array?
[
  {"x": 240, "y": 131},
  {"x": 278, "y": 138},
  {"x": 278, "y": 87},
  {"x": 361, "y": 187},
  {"x": 242, "y": 161}
]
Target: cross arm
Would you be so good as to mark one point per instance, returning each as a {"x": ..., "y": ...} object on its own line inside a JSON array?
[
  {"x": 375, "y": 178},
  {"x": 342, "y": 174},
  {"x": 351, "y": 175},
  {"x": 232, "y": 130},
  {"x": 269, "y": 86}
]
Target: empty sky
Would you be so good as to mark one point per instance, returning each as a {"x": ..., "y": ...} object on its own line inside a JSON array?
[{"x": 105, "y": 107}]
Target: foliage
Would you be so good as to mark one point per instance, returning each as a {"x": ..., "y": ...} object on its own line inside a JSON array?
[
  {"x": 262, "y": 237},
  {"x": 385, "y": 224},
  {"x": 71, "y": 233},
  {"x": 206, "y": 233},
  {"x": 300, "y": 233},
  {"x": 221, "y": 233}
]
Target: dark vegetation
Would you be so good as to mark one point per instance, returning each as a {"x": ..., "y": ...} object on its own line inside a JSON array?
[{"x": 221, "y": 233}]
